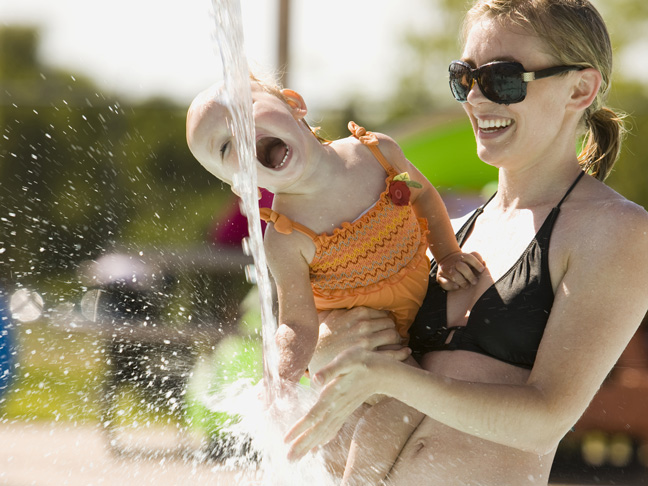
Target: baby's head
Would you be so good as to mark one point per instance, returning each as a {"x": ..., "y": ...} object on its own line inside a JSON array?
[
  {"x": 209, "y": 120},
  {"x": 209, "y": 133}
]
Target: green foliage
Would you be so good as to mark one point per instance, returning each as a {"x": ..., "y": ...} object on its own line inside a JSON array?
[
  {"x": 629, "y": 176},
  {"x": 18, "y": 52},
  {"x": 447, "y": 155},
  {"x": 82, "y": 172},
  {"x": 58, "y": 378}
]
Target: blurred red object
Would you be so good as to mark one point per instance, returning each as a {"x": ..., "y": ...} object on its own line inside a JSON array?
[
  {"x": 232, "y": 227},
  {"x": 621, "y": 404}
]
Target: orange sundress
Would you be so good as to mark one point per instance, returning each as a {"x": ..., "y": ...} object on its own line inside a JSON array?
[{"x": 377, "y": 261}]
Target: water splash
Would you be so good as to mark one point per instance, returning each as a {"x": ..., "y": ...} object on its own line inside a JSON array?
[
  {"x": 257, "y": 435},
  {"x": 266, "y": 426},
  {"x": 237, "y": 94}
]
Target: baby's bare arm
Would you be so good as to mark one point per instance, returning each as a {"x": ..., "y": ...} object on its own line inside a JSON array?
[{"x": 298, "y": 325}]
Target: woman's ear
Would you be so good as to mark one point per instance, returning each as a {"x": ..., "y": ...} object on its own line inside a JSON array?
[
  {"x": 586, "y": 89},
  {"x": 296, "y": 103}
]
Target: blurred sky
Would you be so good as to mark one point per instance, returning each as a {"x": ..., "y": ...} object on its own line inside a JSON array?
[{"x": 149, "y": 47}]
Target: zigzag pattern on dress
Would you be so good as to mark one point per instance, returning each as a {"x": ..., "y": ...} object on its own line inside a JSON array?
[{"x": 368, "y": 251}]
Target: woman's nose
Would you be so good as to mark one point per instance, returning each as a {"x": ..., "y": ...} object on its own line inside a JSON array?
[{"x": 475, "y": 94}]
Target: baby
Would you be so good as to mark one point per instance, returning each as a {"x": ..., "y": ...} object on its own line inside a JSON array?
[{"x": 350, "y": 225}]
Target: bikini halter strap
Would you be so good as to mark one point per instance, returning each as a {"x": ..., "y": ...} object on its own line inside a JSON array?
[
  {"x": 370, "y": 140},
  {"x": 480, "y": 209},
  {"x": 283, "y": 224},
  {"x": 571, "y": 188}
]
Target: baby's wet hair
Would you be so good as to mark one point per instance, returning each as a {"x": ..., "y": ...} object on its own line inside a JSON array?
[{"x": 276, "y": 90}]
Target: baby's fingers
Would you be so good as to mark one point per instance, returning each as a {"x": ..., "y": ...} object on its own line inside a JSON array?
[
  {"x": 467, "y": 273},
  {"x": 446, "y": 283},
  {"x": 453, "y": 280},
  {"x": 474, "y": 260}
]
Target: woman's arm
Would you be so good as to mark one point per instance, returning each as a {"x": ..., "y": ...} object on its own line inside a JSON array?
[
  {"x": 598, "y": 306},
  {"x": 298, "y": 325}
]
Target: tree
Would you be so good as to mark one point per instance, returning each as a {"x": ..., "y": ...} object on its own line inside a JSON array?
[{"x": 81, "y": 171}]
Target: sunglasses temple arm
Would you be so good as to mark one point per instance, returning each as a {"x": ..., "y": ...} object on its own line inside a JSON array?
[{"x": 552, "y": 71}]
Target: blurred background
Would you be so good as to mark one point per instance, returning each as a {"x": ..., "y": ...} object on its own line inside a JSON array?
[{"x": 118, "y": 250}]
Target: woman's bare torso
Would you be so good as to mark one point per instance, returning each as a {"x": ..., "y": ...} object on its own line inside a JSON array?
[{"x": 437, "y": 454}]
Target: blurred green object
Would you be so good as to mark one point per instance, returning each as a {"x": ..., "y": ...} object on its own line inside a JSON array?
[
  {"x": 236, "y": 357},
  {"x": 446, "y": 154}
]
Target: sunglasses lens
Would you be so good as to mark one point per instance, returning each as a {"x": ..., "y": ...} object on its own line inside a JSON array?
[
  {"x": 502, "y": 82},
  {"x": 460, "y": 81}
]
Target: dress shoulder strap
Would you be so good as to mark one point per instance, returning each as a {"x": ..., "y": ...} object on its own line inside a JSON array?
[
  {"x": 283, "y": 224},
  {"x": 370, "y": 140}
]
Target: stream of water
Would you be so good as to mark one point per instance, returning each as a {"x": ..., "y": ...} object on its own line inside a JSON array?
[
  {"x": 228, "y": 38},
  {"x": 265, "y": 426}
]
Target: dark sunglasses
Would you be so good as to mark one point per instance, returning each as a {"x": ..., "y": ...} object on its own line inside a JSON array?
[{"x": 500, "y": 81}]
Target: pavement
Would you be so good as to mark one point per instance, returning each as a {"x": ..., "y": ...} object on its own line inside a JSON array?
[
  {"x": 41, "y": 453},
  {"x": 52, "y": 454}
]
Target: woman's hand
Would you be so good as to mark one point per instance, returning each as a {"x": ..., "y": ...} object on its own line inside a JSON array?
[
  {"x": 368, "y": 329},
  {"x": 459, "y": 270},
  {"x": 348, "y": 381}
]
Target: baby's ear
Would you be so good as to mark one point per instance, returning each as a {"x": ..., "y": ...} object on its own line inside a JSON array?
[{"x": 296, "y": 103}]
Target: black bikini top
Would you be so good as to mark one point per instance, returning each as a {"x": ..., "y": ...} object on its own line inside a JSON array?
[{"x": 508, "y": 320}]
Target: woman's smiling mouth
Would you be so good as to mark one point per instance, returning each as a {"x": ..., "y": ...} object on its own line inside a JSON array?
[{"x": 494, "y": 125}]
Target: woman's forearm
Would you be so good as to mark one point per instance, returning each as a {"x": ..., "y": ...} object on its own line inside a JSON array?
[{"x": 518, "y": 416}]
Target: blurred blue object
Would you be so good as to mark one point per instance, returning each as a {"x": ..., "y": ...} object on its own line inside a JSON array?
[{"x": 6, "y": 343}]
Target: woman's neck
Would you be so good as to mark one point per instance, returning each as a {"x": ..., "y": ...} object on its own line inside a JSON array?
[{"x": 534, "y": 187}]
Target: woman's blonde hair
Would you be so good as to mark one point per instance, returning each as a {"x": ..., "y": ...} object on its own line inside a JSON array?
[{"x": 575, "y": 34}]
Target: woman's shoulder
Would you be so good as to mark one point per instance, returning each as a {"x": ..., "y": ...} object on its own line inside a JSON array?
[
  {"x": 611, "y": 208},
  {"x": 600, "y": 214}
]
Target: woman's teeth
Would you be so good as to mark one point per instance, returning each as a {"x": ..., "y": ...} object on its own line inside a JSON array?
[{"x": 493, "y": 125}]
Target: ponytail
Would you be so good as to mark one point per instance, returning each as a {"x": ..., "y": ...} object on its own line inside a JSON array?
[{"x": 605, "y": 133}]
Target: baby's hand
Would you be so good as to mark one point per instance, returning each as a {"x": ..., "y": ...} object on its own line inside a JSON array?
[{"x": 459, "y": 270}]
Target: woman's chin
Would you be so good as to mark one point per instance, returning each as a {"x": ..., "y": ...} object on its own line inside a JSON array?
[{"x": 489, "y": 157}]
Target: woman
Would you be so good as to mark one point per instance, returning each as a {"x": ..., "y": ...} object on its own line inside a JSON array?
[{"x": 510, "y": 364}]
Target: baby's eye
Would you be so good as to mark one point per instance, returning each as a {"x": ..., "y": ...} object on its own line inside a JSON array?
[{"x": 224, "y": 148}]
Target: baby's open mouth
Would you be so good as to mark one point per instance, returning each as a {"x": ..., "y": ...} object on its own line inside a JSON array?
[{"x": 272, "y": 152}]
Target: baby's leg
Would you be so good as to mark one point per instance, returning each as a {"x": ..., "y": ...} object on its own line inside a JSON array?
[
  {"x": 336, "y": 452},
  {"x": 378, "y": 439}
]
